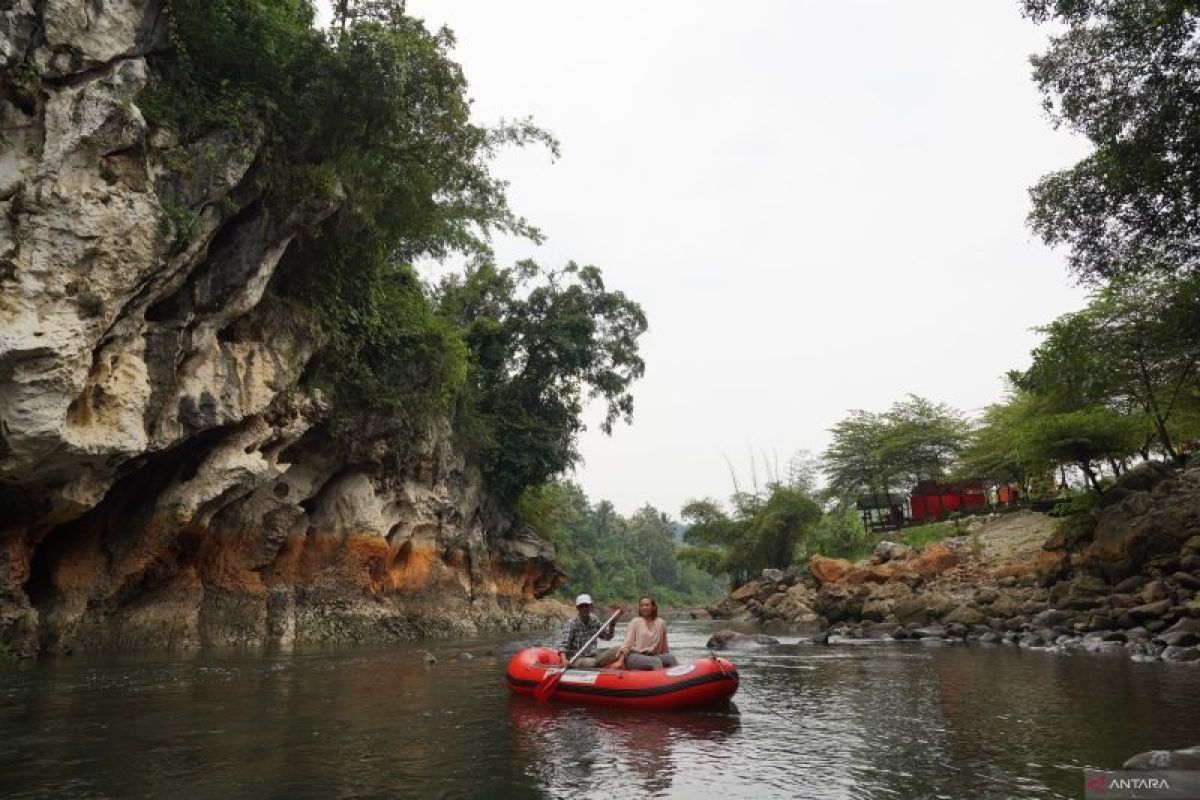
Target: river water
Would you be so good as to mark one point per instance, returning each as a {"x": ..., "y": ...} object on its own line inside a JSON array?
[{"x": 881, "y": 720}]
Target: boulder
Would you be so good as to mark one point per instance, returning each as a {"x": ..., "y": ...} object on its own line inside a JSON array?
[
  {"x": 881, "y": 630},
  {"x": 837, "y": 602},
  {"x": 965, "y": 615},
  {"x": 746, "y": 591},
  {"x": 1006, "y": 605},
  {"x": 956, "y": 630},
  {"x": 1081, "y": 602},
  {"x": 1186, "y": 624},
  {"x": 893, "y": 571},
  {"x": 986, "y": 596},
  {"x": 1123, "y": 600},
  {"x": 1188, "y": 758},
  {"x": 880, "y": 602},
  {"x": 791, "y": 606},
  {"x": 892, "y": 551},
  {"x": 1187, "y": 580},
  {"x": 1141, "y": 528},
  {"x": 733, "y": 640},
  {"x": 935, "y": 559},
  {"x": 1149, "y": 610},
  {"x": 1180, "y": 654},
  {"x": 1089, "y": 585},
  {"x": 1178, "y": 638},
  {"x": 772, "y": 575},
  {"x": 916, "y": 609},
  {"x": 1154, "y": 591},
  {"x": 1130, "y": 585},
  {"x": 1050, "y": 617},
  {"x": 725, "y": 608},
  {"x": 828, "y": 570},
  {"x": 929, "y": 632},
  {"x": 1189, "y": 554}
]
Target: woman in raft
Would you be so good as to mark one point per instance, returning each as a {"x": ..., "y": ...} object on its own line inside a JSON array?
[{"x": 645, "y": 645}]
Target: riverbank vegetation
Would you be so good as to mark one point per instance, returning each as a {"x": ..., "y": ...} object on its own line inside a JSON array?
[{"x": 611, "y": 557}]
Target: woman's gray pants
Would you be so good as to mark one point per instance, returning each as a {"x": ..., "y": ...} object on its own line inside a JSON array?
[{"x": 643, "y": 661}]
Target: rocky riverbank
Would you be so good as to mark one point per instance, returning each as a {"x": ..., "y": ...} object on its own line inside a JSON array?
[{"x": 1130, "y": 584}]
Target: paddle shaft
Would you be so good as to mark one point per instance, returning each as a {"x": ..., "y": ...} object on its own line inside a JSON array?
[{"x": 550, "y": 682}]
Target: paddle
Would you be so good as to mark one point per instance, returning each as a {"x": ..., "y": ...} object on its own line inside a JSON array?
[{"x": 549, "y": 683}]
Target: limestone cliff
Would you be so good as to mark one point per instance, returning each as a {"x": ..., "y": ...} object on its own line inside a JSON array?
[{"x": 164, "y": 480}]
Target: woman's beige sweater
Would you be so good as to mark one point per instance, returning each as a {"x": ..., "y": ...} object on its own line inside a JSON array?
[{"x": 646, "y": 637}]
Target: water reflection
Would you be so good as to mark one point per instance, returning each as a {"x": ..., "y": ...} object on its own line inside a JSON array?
[
  {"x": 879, "y": 721},
  {"x": 584, "y": 751}
]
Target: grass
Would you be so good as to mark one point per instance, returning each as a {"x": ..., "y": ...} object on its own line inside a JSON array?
[{"x": 922, "y": 535}]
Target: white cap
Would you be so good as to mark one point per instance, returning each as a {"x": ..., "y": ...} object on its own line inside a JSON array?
[{"x": 583, "y": 599}]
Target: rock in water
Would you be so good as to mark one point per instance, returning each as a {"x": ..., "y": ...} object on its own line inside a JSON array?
[
  {"x": 732, "y": 640},
  {"x": 1188, "y": 758}
]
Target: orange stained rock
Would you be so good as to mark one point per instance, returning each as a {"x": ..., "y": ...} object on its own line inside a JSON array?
[
  {"x": 1046, "y": 560},
  {"x": 881, "y": 573},
  {"x": 411, "y": 567},
  {"x": 828, "y": 570},
  {"x": 935, "y": 559}
]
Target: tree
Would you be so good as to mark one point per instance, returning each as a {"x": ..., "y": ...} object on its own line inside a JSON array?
[
  {"x": 763, "y": 533},
  {"x": 609, "y": 555},
  {"x": 653, "y": 544},
  {"x": 855, "y": 462},
  {"x": 1134, "y": 349},
  {"x": 996, "y": 448},
  {"x": 916, "y": 439},
  {"x": 1127, "y": 76},
  {"x": 1082, "y": 438},
  {"x": 804, "y": 472},
  {"x": 540, "y": 342},
  {"x": 922, "y": 440}
]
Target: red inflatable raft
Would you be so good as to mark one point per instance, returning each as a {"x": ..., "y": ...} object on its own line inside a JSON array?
[{"x": 697, "y": 683}]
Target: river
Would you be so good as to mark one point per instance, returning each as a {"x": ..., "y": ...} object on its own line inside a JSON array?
[{"x": 875, "y": 720}]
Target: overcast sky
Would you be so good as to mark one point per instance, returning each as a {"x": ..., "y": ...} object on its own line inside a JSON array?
[{"x": 820, "y": 206}]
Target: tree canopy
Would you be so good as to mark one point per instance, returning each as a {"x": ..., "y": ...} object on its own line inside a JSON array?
[
  {"x": 1135, "y": 350},
  {"x": 916, "y": 439},
  {"x": 612, "y": 557},
  {"x": 1127, "y": 76},
  {"x": 541, "y": 342},
  {"x": 763, "y": 532},
  {"x": 372, "y": 117}
]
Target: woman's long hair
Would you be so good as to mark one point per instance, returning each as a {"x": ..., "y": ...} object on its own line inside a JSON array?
[{"x": 653, "y": 605}]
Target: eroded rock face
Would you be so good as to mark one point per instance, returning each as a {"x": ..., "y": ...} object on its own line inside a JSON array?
[
  {"x": 163, "y": 480},
  {"x": 1141, "y": 527}
]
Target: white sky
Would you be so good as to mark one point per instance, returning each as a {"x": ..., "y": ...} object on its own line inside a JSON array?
[{"x": 820, "y": 206}]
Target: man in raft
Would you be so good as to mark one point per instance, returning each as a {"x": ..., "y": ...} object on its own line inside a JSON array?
[{"x": 579, "y": 629}]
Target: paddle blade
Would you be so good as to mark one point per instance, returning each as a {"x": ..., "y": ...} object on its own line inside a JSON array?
[{"x": 545, "y": 689}]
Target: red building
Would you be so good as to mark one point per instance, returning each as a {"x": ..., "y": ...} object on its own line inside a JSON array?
[{"x": 932, "y": 500}]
